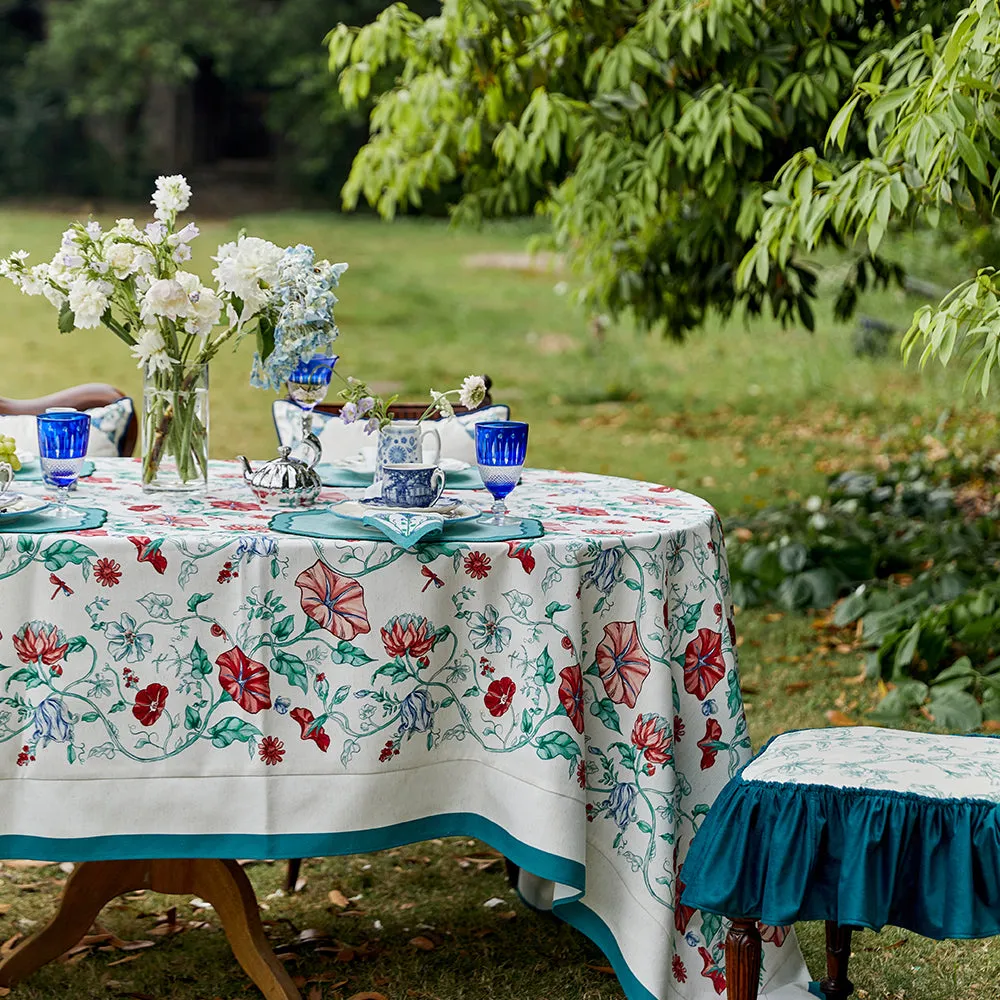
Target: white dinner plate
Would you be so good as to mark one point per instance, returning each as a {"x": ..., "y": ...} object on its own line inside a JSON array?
[
  {"x": 15, "y": 505},
  {"x": 453, "y": 511},
  {"x": 362, "y": 462}
]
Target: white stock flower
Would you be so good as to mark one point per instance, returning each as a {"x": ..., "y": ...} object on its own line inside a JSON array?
[
  {"x": 185, "y": 235},
  {"x": 165, "y": 297},
  {"x": 244, "y": 267},
  {"x": 89, "y": 301},
  {"x": 205, "y": 306},
  {"x": 172, "y": 195},
  {"x": 151, "y": 351},
  {"x": 473, "y": 391},
  {"x": 122, "y": 258},
  {"x": 442, "y": 404}
]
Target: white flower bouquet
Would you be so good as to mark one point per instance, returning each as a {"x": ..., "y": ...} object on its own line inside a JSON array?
[{"x": 132, "y": 281}]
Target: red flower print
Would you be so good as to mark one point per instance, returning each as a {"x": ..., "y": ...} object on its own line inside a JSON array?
[
  {"x": 703, "y": 663},
  {"x": 622, "y": 663},
  {"x": 584, "y": 511},
  {"x": 40, "y": 641},
  {"x": 334, "y": 602},
  {"x": 107, "y": 572},
  {"x": 246, "y": 681},
  {"x": 677, "y": 967},
  {"x": 477, "y": 565},
  {"x": 652, "y": 734},
  {"x": 709, "y": 744},
  {"x": 717, "y": 610},
  {"x": 712, "y": 971},
  {"x": 234, "y": 505},
  {"x": 678, "y": 728},
  {"x": 774, "y": 935},
  {"x": 581, "y": 773},
  {"x": 566, "y": 643},
  {"x": 142, "y": 507},
  {"x": 499, "y": 696},
  {"x": 408, "y": 635},
  {"x": 176, "y": 520},
  {"x": 318, "y": 735},
  {"x": 571, "y": 694},
  {"x": 149, "y": 551},
  {"x": 218, "y": 631},
  {"x": 518, "y": 550},
  {"x": 149, "y": 704},
  {"x": 271, "y": 751}
]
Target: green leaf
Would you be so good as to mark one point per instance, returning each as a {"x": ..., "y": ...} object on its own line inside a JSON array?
[
  {"x": 554, "y": 608},
  {"x": 77, "y": 643},
  {"x": 118, "y": 706},
  {"x": 396, "y": 672},
  {"x": 195, "y": 599},
  {"x": 605, "y": 710},
  {"x": 90, "y": 717},
  {"x": 956, "y": 710},
  {"x": 526, "y": 721},
  {"x": 340, "y": 695},
  {"x": 192, "y": 717},
  {"x": 232, "y": 730},
  {"x": 27, "y": 675},
  {"x": 557, "y": 744},
  {"x": 346, "y": 652},
  {"x": 200, "y": 663},
  {"x": 58, "y": 554},
  {"x": 67, "y": 321},
  {"x": 593, "y": 670},
  {"x": 544, "y": 668},
  {"x": 691, "y": 617},
  {"x": 633, "y": 584},
  {"x": 70, "y": 753},
  {"x": 906, "y": 650},
  {"x": 472, "y": 692},
  {"x": 292, "y": 668},
  {"x": 644, "y": 827},
  {"x": 899, "y": 701},
  {"x": 283, "y": 629}
]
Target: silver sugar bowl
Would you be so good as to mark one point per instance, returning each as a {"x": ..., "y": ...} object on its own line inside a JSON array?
[{"x": 284, "y": 481}]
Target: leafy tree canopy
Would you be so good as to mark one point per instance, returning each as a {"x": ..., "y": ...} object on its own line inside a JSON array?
[
  {"x": 647, "y": 130},
  {"x": 931, "y": 131}
]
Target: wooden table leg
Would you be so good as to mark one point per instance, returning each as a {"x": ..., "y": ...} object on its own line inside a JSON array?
[
  {"x": 837, "y": 986},
  {"x": 93, "y": 884},
  {"x": 743, "y": 960}
]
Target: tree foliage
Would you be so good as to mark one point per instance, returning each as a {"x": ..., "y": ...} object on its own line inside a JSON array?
[
  {"x": 648, "y": 130},
  {"x": 928, "y": 110}
]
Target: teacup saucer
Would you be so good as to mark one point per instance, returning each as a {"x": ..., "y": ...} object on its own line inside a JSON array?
[{"x": 450, "y": 509}]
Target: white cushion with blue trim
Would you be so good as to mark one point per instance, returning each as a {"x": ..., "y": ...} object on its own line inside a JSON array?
[
  {"x": 107, "y": 428},
  {"x": 340, "y": 440}
]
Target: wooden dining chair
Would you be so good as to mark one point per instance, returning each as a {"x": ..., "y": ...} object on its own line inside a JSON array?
[
  {"x": 413, "y": 411},
  {"x": 81, "y": 397}
]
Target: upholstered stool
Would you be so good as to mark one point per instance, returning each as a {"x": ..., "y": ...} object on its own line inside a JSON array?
[{"x": 858, "y": 827}]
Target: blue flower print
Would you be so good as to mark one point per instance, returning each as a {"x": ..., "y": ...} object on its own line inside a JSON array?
[
  {"x": 125, "y": 643},
  {"x": 415, "y": 713},
  {"x": 282, "y": 705},
  {"x": 605, "y": 572},
  {"x": 51, "y": 722},
  {"x": 692, "y": 939},
  {"x": 620, "y": 804},
  {"x": 255, "y": 545},
  {"x": 486, "y": 631},
  {"x": 708, "y": 707}
]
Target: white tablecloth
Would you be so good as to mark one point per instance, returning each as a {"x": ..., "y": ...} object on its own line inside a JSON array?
[{"x": 184, "y": 682}]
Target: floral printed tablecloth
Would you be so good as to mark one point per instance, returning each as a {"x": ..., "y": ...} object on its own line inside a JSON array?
[{"x": 184, "y": 682}]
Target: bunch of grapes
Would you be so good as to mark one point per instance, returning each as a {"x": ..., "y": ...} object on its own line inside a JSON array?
[{"x": 8, "y": 452}]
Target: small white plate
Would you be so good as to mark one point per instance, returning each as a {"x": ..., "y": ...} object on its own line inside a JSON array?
[
  {"x": 453, "y": 512},
  {"x": 25, "y": 457},
  {"x": 366, "y": 463},
  {"x": 14, "y": 505}
]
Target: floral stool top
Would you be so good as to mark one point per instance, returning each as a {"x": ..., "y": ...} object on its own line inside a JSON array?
[{"x": 864, "y": 827}]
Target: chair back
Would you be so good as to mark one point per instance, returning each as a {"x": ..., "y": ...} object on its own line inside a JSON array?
[{"x": 412, "y": 411}]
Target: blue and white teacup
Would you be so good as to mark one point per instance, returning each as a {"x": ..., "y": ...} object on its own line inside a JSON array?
[{"x": 412, "y": 484}]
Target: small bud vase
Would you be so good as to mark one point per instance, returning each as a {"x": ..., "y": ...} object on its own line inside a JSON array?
[{"x": 174, "y": 429}]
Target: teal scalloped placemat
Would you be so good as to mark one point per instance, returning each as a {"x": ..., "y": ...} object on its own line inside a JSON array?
[
  {"x": 45, "y": 522},
  {"x": 350, "y": 479},
  {"x": 323, "y": 524},
  {"x": 33, "y": 473}
]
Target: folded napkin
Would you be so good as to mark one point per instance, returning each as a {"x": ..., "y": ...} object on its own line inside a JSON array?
[
  {"x": 321, "y": 523},
  {"x": 32, "y": 473},
  {"x": 46, "y": 522},
  {"x": 341, "y": 477},
  {"x": 405, "y": 528}
]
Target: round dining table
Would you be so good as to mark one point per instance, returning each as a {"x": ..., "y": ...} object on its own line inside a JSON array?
[{"x": 182, "y": 683}]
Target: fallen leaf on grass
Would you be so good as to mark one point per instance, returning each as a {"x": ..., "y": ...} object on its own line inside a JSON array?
[
  {"x": 328, "y": 977},
  {"x": 774, "y": 616},
  {"x": 423, "y": 943},
  {"x": 844, "y": 648},
  {"x": 507, "y": 915},
  {"x": 606, "y": 969},
  {"x": 24, "y": 865},
  {"x": 402, "y": 906},
  {"x": 199, "y": 904},
  {"x": 300, "y": 884},
  {"x": 339, "y": 899},
  {"x": 481, "y": 861},
  {"x": 797, "y": 686},
  {"x": 315, "y": 993},
  {"x": 122, "y": 961},
  {"x": 311, "y": 935},
  {"x": 4, "y": 991},
  {"x": 367, "y": 996},
  {"x": 838, "y": 718},
  {"x": 10, "y": 944},
  {"x": 989, "y": 726},
  {"x": 492, "y": 902},
  {"x": 4, "y": 909}
]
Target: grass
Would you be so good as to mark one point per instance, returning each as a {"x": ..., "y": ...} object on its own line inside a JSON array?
[{"x": 744, "y": 416}]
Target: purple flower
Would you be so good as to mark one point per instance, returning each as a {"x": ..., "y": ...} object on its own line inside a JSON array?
[
  {"x": 365, "y": 406},
  {"x": 51, "y": 723},
  {"x": 349, "y": 413},
  {"x": 282, "y": 705},
  {"x": 415, "y": 714},
  {"x": 620, "y": 804},
  {"x": 372, "y": 426}
]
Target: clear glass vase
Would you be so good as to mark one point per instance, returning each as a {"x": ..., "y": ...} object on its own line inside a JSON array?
[{"x": 174, "y": 430}]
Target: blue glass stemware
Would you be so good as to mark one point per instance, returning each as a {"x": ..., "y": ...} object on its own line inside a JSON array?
[
  {"x": 500, "y": 449},
  {"x": 62, "y": 445},
  {"x": 307, "y": 388}
]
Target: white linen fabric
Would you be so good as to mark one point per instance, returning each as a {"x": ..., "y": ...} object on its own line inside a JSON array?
[
  {"x": 107, "y": 428},
  {"x": 340, "y": 440},
  {"x": 186, "y": 682},
  {"x": 940, "y": 767}
]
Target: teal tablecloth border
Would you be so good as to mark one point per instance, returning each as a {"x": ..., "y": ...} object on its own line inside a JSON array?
[{"x": 316, "y": 845}]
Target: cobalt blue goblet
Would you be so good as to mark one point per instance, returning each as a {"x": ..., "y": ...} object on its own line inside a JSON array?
[
  {"x": 500, "y": 449},
  {"x": 62, "y": 445},
  {"x": 307, "y": 388}
]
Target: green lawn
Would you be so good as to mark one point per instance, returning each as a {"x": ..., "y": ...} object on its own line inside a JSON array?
[{"x": 743, "y": 415}]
